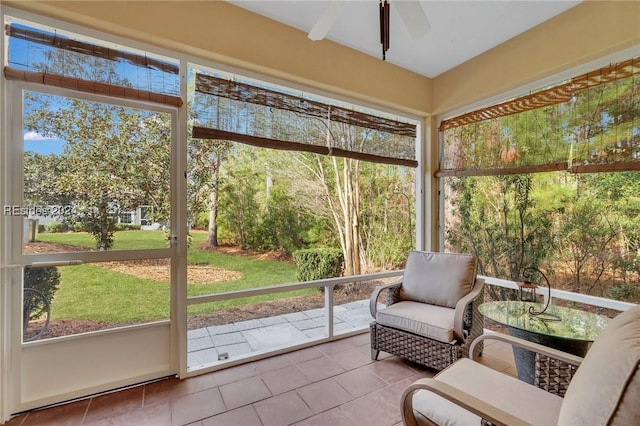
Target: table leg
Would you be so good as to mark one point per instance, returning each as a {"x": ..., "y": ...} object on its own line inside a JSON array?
[{"x": 525, "y": 359}]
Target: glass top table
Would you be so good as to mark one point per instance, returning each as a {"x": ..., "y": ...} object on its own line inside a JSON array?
[
  {"x": 574, "y": 324},
  {"x": 566, "y": 329}
]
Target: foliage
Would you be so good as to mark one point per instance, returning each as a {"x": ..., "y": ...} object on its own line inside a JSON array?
[
  {"x": 583, "y": 230},
  {"x": 127, "y": 227},
  {"x": 241, "y": 208},
  {"x": 282, "y": 225},
  {"x": 115, "y": 159},
  {"x": 498, "y": 220},
  {"x": 587, "y": 234},
  {"x": 54, "y": 227},
  {"x": 318, "y": 263},
  {"x": 628, "y": 291},
  {"x": 45, "y": 279}
]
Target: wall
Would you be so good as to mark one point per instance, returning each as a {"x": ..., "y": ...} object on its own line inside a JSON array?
[
  {"x": 226, "y": 34},
  {"x": 586, "y": 32}
]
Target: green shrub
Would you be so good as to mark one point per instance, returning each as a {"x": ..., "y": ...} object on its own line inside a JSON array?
[
  {"x": 46, "y": 279},
  {"x": 318, "y": 263},
  {"x": 201, "y": 221},
  {"x": 127, "y": 227},
  {"x": 54, "y": 227}
]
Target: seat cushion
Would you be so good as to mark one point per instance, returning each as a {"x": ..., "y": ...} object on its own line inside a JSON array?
[
  {"x": 520, "y": 399},
  {"x": 606, "y": 386},
  {"x": 438, "y": 278},
  {"x": 434, "y": 322}
]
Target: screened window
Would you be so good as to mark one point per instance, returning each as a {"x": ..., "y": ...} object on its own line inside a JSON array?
[{"x": 590, "y": 123}]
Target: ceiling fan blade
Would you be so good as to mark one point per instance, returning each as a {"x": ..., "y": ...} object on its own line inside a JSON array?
[
  {"x": 413, "y": 17},
  {"x": 326, "y": 20}
]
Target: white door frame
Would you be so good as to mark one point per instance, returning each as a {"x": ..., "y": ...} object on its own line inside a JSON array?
[{"x": 91, "y": 362}]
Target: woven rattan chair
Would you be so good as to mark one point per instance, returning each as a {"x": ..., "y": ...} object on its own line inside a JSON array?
[
  {"x": 605, "y": 389},
  {"x": 432, "y": 313}
]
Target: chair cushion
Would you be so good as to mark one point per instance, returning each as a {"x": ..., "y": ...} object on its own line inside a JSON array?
[
  {"x": 529, "y": 403},
  {"x": 434, "y": 322},
  {"x": 438, "y": 278},
  {"x": 606, "y": 386}
]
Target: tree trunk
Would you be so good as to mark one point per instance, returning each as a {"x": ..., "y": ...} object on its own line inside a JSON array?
[{"x": 212, "y": 239}]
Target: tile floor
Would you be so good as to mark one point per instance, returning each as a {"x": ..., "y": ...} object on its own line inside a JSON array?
[{"x": 331, "y": 384}]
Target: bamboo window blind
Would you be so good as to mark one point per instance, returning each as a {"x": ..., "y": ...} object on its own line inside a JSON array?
[
  {"x": 50, "y": 57},
  {"x": 590, "y": 123},
  {"x": 240, "y": 111}
]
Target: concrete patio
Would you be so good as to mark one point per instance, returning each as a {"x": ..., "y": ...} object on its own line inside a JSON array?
[{"x": 236, "y": 339}]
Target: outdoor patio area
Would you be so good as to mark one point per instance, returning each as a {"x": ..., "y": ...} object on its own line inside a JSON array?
[
  {"x": 236, "y": 339},
  {"x": 333, "y": 383}
]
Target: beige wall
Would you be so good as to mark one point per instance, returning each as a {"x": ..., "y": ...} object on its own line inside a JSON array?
[
  {"x": 584, "y": 33},
  {"x": 226, "y": 34}
]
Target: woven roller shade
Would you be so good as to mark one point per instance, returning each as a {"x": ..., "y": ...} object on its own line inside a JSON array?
[
  {"x": 60, "y": 42},
  {"x": 91, "y": 86},
  {"x": 261, "y": 96},
  {"x": 553, "y": 96},
  {"x": 247, "y": 113},
  {"x": 74, "y": 62},
  {"x": 589, "y": 124}
]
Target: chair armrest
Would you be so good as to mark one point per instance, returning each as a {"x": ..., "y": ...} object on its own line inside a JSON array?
[
  {"x": 525, "y": 344},
  {"x": 373, "y": 301},
  {"x": 461, "y": 306},
  {"x": 458, "y": 397}
]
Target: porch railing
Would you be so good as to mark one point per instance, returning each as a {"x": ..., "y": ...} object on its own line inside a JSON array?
[
  {"x": 586, "y": 299},
  {"x": 329, "y": 285}
]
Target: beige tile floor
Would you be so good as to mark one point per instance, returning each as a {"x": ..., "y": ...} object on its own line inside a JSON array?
[{"x": 331, "y": 384}]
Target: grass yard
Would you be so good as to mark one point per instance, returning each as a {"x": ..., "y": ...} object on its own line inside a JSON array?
[{"x": 99, "y": 293}]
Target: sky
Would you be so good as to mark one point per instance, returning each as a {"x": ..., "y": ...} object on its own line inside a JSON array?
[{"x": 34, "y": 142}]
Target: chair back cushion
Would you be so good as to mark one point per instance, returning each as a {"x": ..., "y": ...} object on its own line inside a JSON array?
[
  {"x": 438, "y": 278},
  {"x": 606, "y": 387}
]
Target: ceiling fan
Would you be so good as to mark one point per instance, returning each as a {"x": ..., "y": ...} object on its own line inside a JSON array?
[{"x": 410, "y": 12}]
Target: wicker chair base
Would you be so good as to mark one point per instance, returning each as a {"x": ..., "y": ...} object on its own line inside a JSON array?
[{"x": 419, "y": 349}]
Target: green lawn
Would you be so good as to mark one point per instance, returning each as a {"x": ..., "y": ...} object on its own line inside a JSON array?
[{"x": 92, "y": 291}]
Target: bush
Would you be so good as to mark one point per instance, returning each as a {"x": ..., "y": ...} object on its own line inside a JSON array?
[
  {"x": 45, "y": 279},
  {"x": 318, "y": 263},
  {"x": 55, "y": 227},
  {"x": 127, "y": 227},
  {"x": 79, "y": 227},
  {"x": 201, "y": 221}
]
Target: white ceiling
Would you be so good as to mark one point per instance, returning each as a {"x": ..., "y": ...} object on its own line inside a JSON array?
[{"x": 459, "y": 30}]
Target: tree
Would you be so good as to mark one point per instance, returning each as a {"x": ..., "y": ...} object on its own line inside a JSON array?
[
  {"x": 206, "y": 158},
  {"x": 116, "y": 159},
  {"x": 586, "y": 238},
  {"x": 497, "y": 219}
]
